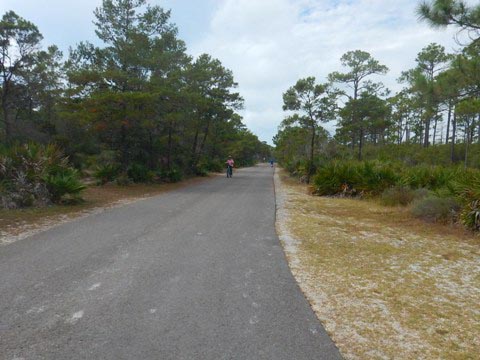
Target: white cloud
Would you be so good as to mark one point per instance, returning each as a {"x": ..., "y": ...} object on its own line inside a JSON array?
[{"x": 270, "y": 44}]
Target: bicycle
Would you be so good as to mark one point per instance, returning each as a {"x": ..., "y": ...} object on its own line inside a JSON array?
[{"x": 229, "y": 171}]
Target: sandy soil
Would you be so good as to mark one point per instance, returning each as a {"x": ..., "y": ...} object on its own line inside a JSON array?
[{"x": 383, "y": 285}]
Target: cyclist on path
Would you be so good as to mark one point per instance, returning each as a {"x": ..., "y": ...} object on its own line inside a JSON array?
[{"x": 230, "y": 163}]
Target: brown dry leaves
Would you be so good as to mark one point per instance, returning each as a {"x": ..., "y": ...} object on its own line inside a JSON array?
[{"x": 384, "y": 285}]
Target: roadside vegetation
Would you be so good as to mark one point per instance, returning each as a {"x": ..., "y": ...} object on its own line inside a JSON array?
[
  {"x": 380, "y": 221},
  {"x": 384, "y": 284},
  {"x": 419, "y": 146},
  {"x": 135, "y": 109}
]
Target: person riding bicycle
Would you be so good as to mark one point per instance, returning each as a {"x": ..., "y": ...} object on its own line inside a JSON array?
[{"x": 230, "y": 163}]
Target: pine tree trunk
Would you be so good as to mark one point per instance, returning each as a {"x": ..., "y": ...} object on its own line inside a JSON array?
[
  {"x": 426, "y": 141},
  {"x": 312, "y": 151},
  {"x": 449, "y": 117},
  {"x": 454, "y": 131},
  {"x": 478, "y": 131},
  {"x": 202, "y": 144},
  {"x": 124, "y": 147},
  {"x": 467, "y": 141},
  {"x": 360, "y": 145},
  {"x": 6, "y": 112}
]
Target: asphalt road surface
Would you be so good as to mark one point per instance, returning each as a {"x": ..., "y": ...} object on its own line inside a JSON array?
[{"x": 197, "y": 273}]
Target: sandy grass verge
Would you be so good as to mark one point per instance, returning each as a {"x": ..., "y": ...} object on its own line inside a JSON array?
[
  {"x": 384, "y": 285},
  {"x": 19, "y": 224}
]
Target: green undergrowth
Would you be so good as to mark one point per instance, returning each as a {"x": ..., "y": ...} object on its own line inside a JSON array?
[{"x": 438, "y": 193}]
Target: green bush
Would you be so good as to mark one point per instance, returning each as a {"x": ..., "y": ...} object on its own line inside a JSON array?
[
  {"x": 429, "y": 177},
  {"x": 438, "y": 193},
  {"x": 30, "y": 175},
  {"x": 375, "y": 177},
  {"x": 467, "y": 189},
  {"x": 336, "y": 177},
  {"x": 123, "y": 180},
  {"x": 353, "y": 178},
  {"x": 65, "y": 182},
  {"x": 297, "y": 167},
  {"x": 201, "y": 171},
  {"x": 106, "y": 173},
  {"x": 436, "y": 209},
  {"x": 139, "y": 173},
  {"x": 470, "y": 215},
  {"x": 211, "y": 166},
  {"x": 173, "y": 175}
]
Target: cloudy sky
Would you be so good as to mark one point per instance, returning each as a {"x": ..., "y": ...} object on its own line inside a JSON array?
[{"x": 268, "y": 44}]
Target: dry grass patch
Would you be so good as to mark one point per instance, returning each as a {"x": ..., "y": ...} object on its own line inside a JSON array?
[
  {"x": 386, "y": 286},
  {"x": 18, "y": 224}
]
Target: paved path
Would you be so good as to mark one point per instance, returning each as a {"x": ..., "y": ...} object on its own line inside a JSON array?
[{"x": 197, "y": 273}]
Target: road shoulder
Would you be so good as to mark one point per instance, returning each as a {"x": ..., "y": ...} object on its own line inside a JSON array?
[{"x": 383, "y": 286}]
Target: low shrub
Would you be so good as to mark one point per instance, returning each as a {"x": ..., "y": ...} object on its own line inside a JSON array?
[
  {"x": 429, "y": 177},
  {"x": 201, "y": 171},
  {"x": 467, "y": 189},
  {"x": 212, "y": 166},
  {"x": 123, "y": 180},
  {"x": 436, "y": 209},
  {"x": 397, "y": 195},
  {"x": 470, "y": 215},
  {"x": 353, "y": 178},
  {"x": 170, "y": 175},
  {"x": 336, "y": 177},
  {"x": 65, "y": 182},
  {"x": 438, "y": 193},
  {"x": 421, "y": 193},
  {"x": 298, "y": 168},
  {"x": 375, "y": 177},
  {"x": 139, "y": 173},
  {"x": 106, "y": 173},
  {"x": 35, "y": 175}
]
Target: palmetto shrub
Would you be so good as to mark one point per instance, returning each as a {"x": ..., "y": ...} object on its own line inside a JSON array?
[
  {"x": 439, "y": 193},
  {"x": 429, "y": 177},
  {"x": 336, "y": 177},
  {"x": 139, "y": 173},
  {"x": 64, "y": 182},
  {"x": 27, "y": 174},
  {"x": 467, "y": 189},
  {"x": 298, "y": 167},
  {"x": 171, "y": 175},
  {"x": 470, "y": 215},
  {"x": 375, "y": 177},
  {"x": 353, "y": 178},
  {"x": 106, "y": 173}
]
